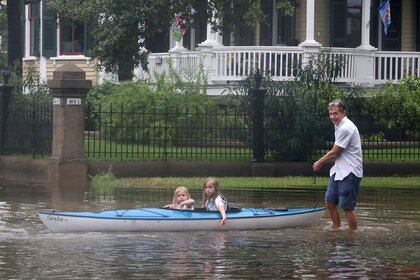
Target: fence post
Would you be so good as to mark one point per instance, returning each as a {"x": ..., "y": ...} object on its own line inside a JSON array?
[
  {"x": 68, "y": 167},
  {"x": 257, "y": 105},
  {"x": 5, "y": 93}
]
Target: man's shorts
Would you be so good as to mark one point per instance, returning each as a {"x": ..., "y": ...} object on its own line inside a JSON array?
[{"x": 344, "y": 192}]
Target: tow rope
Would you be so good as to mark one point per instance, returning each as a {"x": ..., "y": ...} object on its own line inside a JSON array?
[{"x": 314, "y": 185}]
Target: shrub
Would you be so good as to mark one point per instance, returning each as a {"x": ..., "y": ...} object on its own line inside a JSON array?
[
  {"x": 295, "y": 123},
  {"x": 397, "y": 107},
  {"x": 155, "y": 108}
]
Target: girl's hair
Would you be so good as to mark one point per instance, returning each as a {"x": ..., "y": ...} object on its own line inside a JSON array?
[
  {"x": 176, "y": 192},
  {"x": 216, "y": 188}
]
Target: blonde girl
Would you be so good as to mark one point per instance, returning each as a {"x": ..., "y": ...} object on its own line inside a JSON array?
[
  {"x": 213, "y": 201},
  {"x": 181, "y": 200}
]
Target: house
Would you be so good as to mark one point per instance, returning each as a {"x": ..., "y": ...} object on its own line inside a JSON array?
[{"x": 351, "y": 28}]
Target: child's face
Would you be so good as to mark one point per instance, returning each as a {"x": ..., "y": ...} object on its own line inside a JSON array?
[
  {"x": 209, "y": 188},
  {"x": 182, "y": 196}
]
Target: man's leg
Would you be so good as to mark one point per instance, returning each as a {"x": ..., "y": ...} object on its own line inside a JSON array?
[
  {"x": 351, "y": 219},
  {"x": 331, "y": 202},
  {"x": 334, "y": 214},
  {"x": 348, "y": 196}
]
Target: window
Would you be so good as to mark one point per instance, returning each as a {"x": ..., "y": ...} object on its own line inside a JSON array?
[
  {"x": 286, "y": 26},
  {"x": 33, "y": 18},
  {"x": 72, "y": 38},
  {"x": 346, "y": 19}
]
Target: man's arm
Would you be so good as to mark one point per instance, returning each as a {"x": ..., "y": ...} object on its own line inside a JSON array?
[{"x": 328, "y": 157}]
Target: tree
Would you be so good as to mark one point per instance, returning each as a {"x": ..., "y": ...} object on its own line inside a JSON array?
[
  {"x": 3, "y": 37},
  {"x": 11, "y": 34},
  {"x": 119, "y": 28}
]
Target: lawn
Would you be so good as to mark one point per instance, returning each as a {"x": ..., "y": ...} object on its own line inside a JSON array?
[
  {"x": 109, "y": 181},
  {"x": 99, "y": 149}
]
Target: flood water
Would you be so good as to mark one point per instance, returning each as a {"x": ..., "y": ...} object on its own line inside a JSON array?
[{"x": 386, "y": 246}]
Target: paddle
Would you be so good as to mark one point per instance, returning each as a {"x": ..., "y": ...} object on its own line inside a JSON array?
[{"x": 314, "y": 185}]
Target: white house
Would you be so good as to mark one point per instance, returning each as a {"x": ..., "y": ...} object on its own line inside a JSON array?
[{"x": 351, "y": 28}]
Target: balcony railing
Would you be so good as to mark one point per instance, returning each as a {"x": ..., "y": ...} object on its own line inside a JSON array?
[{"x": 233, "y": 63}]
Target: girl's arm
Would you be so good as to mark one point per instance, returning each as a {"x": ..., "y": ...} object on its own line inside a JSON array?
[
  {"x": 222, "y": 211},
  {"x": 189, "y": 202},
  {"x": 168, "y": 206}
]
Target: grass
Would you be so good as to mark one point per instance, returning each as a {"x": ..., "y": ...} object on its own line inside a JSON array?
[
  {"x": 99, "y": 149},
  {"x": 257, "y": 182}
]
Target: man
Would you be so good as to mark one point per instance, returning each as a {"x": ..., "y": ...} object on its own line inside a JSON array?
[{"x": 345, "y": 175}]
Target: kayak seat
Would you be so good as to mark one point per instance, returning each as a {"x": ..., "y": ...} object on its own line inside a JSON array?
[
  {"x": 201, "y": 209},
  {"x": 278, "y": 209}
]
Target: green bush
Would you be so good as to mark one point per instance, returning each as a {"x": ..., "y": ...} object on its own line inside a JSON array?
[
  {"x": 296, "y": 121},
  {"x": 397, "y": 107},
  {"x": 29, "y": 88},
  {"x": 155, "y": 108}
]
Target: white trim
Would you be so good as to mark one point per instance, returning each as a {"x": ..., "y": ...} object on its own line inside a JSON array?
[
  {"x": 70, "y": 57},
  {"x": 43, "y": 69},
  {"x": 58, "y": 37},
  {"x": 41, "y": 29},
  {"x": 27, "y": 33},
  {"x": 30, "y": 58}
]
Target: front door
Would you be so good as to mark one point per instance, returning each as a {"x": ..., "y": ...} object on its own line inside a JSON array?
[{"x": 391, "y": 41}]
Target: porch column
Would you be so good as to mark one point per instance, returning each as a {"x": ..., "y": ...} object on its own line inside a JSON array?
[
  {"x": 213, "y": 38},
  {"x": 365, "y": 44},
  {"x": 310, "y": 25}
]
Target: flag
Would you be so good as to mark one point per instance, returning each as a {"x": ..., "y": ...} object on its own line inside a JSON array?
[{"x": 385, "y": 13}]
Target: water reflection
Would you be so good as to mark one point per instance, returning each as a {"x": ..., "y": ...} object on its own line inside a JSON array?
[{"x": 387, "y": 244}]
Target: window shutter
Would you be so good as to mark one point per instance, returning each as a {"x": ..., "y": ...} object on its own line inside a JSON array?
[
  {"x": 49, "y": 34},
  {"x": 89, "y": 40}
]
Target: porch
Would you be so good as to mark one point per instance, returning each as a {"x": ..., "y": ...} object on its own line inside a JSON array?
[{"x": 229, "y": 64}]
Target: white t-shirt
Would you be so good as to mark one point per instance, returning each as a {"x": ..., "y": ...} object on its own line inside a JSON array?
[
  {"x": 214, "y": 204},
  {"x": 350, "y": 159}
]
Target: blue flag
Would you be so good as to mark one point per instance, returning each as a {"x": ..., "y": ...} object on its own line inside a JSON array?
[{"x": 385, "y": 13}]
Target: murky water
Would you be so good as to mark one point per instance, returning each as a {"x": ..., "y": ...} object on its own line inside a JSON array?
[{"x": 387, "y": 245}]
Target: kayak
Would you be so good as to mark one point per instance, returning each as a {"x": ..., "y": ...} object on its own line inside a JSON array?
[{"x": 161, "y": 219}]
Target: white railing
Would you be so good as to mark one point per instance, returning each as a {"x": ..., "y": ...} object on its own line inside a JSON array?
[
  {"x": 393, "y": 66},
  {"x": 233, "y": 63},
  {"x": 183, "y": 63}
]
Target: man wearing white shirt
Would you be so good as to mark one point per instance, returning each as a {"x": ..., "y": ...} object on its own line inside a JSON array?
[{"x": 345, "y": 175}]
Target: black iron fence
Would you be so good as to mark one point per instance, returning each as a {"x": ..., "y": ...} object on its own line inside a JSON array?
[
  {"x": 223, "y": 133},
  {"x": 28, "y": 128},
  {"x": 162, "y": 133},
  {"x": 218, "y": 133}
]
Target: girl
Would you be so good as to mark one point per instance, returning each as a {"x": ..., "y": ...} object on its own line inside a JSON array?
[
  {"x": 181, "y": 200},
  {"x": 213, "y": 201}
]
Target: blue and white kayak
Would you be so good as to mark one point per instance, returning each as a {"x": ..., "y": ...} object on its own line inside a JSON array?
[{"x": 159, "y": 219}]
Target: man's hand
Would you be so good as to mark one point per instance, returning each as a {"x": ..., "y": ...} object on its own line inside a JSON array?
[{"x": 316, "y": 166}]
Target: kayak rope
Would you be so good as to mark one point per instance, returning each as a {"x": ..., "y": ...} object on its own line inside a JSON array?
[
  {"x": 157, "y": 213},
  {"x": 120, "y": 214},
  {"x": 253, "y": 210},
  {"x": 315, "y": 196}
]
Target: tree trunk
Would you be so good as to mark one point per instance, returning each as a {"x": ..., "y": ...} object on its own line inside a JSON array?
[
  {"x": 14, "y": 30},
  {"x": 257, "y": 33},
  {"x": 125, "y": 69}
]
